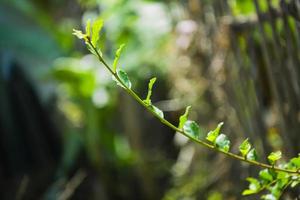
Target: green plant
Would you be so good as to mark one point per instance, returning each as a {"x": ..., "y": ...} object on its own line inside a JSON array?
[{"x": 273, "y": 178}]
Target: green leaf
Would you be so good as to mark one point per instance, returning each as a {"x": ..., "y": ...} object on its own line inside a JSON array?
[
  {"x": 274, "y": 156},
  {"x": 265, "y": 175},
  {"x": 150, "y": 86},
  {"x": 79, "y": 34},
  {"x": 88, "y": 28},
  {"x": 192, "y": 129},
  {"x": 183, "y": 118},
  {"x": 223, "y": 143},
  {"x": 157, "y": 111},
  {"x": 212, "y": 135},
  {"x": 248, "y": 192},
  {"x": 124, "y": 78},
  {"x": 252, "y": 155},
  {"x": 254, "y": 186},
  {"x": 245, "y": 147},
  {"x": 96, "y": 28},
  {"x": 117, "y": 56}
]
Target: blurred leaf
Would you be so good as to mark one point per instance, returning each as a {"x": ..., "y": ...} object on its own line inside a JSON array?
[
  {"x": 212, "y": 135},
  {"x": 269, "y": 197},
  {"x": 242, "y": 7},
  {"x": 92, "y": 50},
  {"x": 79, "y": 82},
  {"x": 96, "y": 28},
  {"x": 79, "y": 34},
  {"x": 295, "y": 162},
  {"x": 280, "y": 175},
  {"x": 265, "y": 175},
  {"x": 245, "y": 147},
  {"x": 295, "y": 183},
  {"x": 183, "y": 118},
  {"x": 192, "y": 129},
  {"x": 150, "y": 86},
  {"x": 254, "y": 186},
  {"x": 88, "y": 28},
  {"x": 223, "y": 143}
]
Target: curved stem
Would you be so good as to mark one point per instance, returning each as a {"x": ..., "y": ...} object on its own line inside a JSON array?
[{"x": 170, "y": 125}]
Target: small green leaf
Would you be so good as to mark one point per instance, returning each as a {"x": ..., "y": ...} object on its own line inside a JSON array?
[
  {"x": 124, "y": 78},
  {"x": 245, "y": 147},
  {"x": 274, "y": 156},
  {"x": 192, "y": 129},
  {"x": 96, "y": 28},
  {"x": 183, "y": 118},
  {"x": 88, "y": 28},
  {"x": 248, "y": 192},
  {"x": 265, "y": 175},
  {"x": 150, "y": 86},
  {"x": 222, "y": 143},
  {"x": 79, "y": 34},
  {"x": 254, "y": 186},
  {"x": 212, "y": 135},
  {"x": 252, "y": 155},
  {"x": 117, "y": 56},
  {"x": 157, "y": 111}
]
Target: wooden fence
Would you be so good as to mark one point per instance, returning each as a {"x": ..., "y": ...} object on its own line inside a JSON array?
[{"x": 263, "y": 74}]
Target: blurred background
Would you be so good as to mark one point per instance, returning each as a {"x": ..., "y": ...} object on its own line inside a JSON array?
[{"x": 68, "y": 132}]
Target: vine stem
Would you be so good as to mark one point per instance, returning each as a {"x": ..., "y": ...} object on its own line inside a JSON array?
[{"x": 170, "y": 125}]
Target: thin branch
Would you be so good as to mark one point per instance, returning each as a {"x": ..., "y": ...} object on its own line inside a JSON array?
[{"x": 170, "y": 125}]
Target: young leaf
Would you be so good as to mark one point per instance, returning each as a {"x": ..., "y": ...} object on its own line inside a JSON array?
[
  {"x": 150, "y": 86},
  {"x": 96, "y": 28},
  {"x": 254, "y": 186},
  {"x": 274, "y": 156},
  {"x": 79, "y": 34},
  {"x": 222, "y": 143},
  {"x": 117, "y": 56},
  {"x": 252, "y": 155},
  {"x": 212, "y": 135},
  {"x": 88, "y": 28},
  {"x": 191, "y": 128},
  {"x": 124, "y": 78},
  {"x": 245, "y": 147},
  {"x": 183, "y": 118},
  {"x": 157, "y": 111}
]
